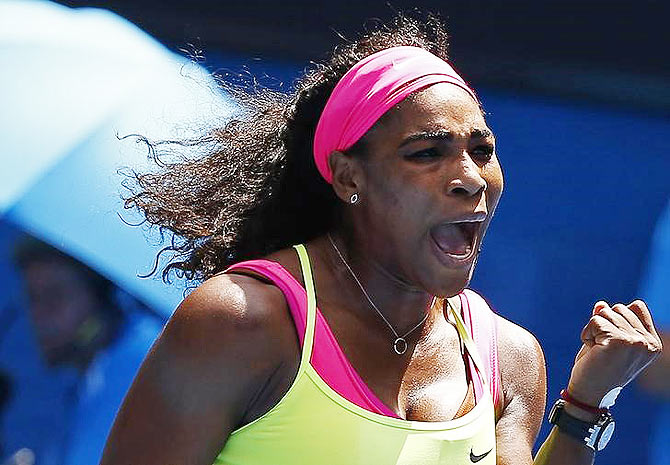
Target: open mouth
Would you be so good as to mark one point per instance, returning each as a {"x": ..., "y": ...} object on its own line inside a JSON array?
[{"x": 456, "y": 239}]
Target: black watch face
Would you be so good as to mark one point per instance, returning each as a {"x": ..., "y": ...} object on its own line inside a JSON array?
[{"x": 606, "y": 435}]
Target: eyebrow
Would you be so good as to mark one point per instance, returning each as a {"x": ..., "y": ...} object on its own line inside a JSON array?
[{"x": 441, "y": 134}]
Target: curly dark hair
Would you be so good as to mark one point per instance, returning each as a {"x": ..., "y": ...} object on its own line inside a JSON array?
[{"x": 258, "y": 189}]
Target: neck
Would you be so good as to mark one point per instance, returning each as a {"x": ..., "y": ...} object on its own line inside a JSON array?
[{"x": 402, "y": 304}]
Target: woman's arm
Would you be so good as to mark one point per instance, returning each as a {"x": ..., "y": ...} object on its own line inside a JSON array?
[
  {"x": 194, "y": 387},
  {"x": 524, "y": 382},
  {"x": 619, "y": 341},
  {"x": 524, "y": 379}
]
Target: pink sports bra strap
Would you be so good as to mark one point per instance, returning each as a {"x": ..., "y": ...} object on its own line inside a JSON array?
[{"x": 481, "y": 320}]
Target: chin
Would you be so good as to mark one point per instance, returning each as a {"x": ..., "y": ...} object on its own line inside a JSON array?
[
  {"x": 448, "y": 276},
  {"x": 450, "y": 282},
  {"x": 456, "y": 286}
]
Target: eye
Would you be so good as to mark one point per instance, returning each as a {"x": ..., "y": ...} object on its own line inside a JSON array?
[
  {"x": 425, "y": 154},
  {"x": 482, "y": 152}
]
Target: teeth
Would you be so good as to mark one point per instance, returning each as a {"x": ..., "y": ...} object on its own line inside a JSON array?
[{"x": 468, "y": 250}]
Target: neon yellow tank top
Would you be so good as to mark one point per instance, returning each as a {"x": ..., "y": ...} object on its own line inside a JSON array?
[{"x": 314, "y": 425}]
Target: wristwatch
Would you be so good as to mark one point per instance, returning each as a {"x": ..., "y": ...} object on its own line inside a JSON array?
[{"x": 595, "y": 435}]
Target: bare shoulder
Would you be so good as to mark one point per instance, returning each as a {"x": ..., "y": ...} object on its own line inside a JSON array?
[
  {"x": 524, "y": 381},
  {"x": 232, "y": 305},
  {"x": 519, "y": 352},
  {"x": 217, "y": 352},
  {"x": 234, "y": 330}
]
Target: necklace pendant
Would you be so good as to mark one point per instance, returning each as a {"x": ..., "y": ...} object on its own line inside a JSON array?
[{"x": 400, "y": 346}]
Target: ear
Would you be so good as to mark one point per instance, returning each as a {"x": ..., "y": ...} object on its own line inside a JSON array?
[{"x": 347, "y": 175}]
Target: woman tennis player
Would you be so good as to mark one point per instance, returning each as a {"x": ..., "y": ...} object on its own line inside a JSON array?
[{"x": 361, "y": 344}]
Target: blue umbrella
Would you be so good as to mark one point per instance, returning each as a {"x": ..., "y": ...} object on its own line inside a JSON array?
[{"x": 71, "y": 82}]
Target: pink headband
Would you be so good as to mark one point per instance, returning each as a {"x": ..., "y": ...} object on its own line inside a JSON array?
[{"x": 373, "y": 86}]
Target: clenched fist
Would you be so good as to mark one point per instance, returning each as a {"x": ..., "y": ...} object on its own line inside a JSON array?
[{"x": 619, "y": 342}]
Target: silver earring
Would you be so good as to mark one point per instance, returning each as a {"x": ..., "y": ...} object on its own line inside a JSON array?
[{"x": 354, "y": 198}]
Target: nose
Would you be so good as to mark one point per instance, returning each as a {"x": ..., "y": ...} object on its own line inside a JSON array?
[{"x": 468, "y": 180}]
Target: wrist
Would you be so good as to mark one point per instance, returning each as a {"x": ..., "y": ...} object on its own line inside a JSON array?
[
  {"x": 584, "y": 396},
  {"x": 570, "y": 399},
  {"x": 580, "y": 413}
]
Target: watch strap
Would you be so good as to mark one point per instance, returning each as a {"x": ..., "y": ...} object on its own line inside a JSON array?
[{"x": 594, "y": 435}]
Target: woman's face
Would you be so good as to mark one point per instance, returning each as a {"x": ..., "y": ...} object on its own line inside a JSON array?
[
  {"x": 60, "y": 299},
  {"x": 429, "y": 186}
]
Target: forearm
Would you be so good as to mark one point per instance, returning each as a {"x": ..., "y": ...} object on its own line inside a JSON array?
[{"x": 561, "y": 449}]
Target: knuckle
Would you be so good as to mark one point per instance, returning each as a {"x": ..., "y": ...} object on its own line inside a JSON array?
[
  {"x": 597, "y": 320},
  {"x": 617, "y": 342},
  {"x": 634, "y": 342},
  {"x": 639, "y": 303},
  {"x": 639, "y": 307},
  {"x": 607, "y": 312},
  {"x": 600, "y": 304},
  {"x": 639, "y": 342},
  {"x": 655, "y": 347}
]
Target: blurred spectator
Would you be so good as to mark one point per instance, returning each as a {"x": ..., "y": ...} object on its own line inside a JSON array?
[
  {"x": 82, "y": 321},
  {"x": 70, "y": 306},
  {"x": 656, "y": 378}
]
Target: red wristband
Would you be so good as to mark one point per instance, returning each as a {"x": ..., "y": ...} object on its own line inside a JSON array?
[{"x": 565, "y": 395}]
